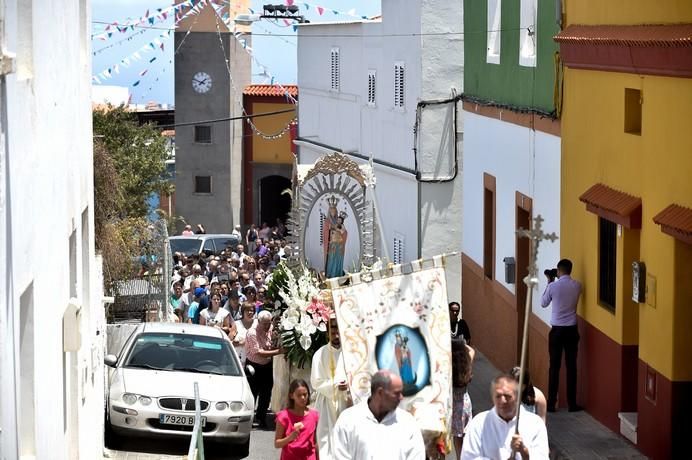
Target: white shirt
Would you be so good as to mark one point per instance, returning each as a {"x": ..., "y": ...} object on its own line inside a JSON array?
[
  {"x": 240, "y": 339},
  {"x": 489, "y": 437},
  {"x": 327, "y": 371},
  {"x": 215, "y": 318},
  {"x": 359, "y": 436}
]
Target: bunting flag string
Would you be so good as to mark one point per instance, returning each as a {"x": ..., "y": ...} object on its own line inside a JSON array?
[
  {"x": 160, "y": 15},
  {"x": 195, "y": 8},
  {"x": 287, "y": 94}
]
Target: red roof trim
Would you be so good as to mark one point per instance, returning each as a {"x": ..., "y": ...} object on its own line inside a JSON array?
[
  {"x": 676, "y": 221},
  {"x": 614, "y": 205},
  {"x": 271, "y": 90},
  {"x": 640, "y": 49}
]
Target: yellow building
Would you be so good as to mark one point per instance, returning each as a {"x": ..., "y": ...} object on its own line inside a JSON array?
[
  {"x": 268, "y": 152},
  {"x": 627, "y": 212}
]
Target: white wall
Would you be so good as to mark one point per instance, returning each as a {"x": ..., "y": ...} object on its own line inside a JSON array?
[
  {"x": 345, "y": 121},
  {"x": 47, "y": 197},
  {"x": 521, "y": 160}
]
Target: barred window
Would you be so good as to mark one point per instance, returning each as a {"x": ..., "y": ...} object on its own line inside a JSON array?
[
  {"x": 335, "y": 70},
  {"x": 371, "y": 87},
  {"x": 399, "y": 84},
  {"x": 607, "y": 262}
]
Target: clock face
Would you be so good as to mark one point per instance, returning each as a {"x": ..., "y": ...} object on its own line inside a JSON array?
[{"x": 201, "y": 82}]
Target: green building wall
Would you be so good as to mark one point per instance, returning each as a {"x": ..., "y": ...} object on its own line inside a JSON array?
[{"x": 508, "y": 83}]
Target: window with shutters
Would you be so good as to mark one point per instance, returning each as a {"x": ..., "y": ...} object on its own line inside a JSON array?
[
  {"x": 494, "y": 23},
  {"x": 335, "y": 64},
  {"x": 371, "y": 87},
  {"x": 527, "y": 33},
  {"x": 203, "y": 184},
  {"x": 399, "y": 84},
  {"x": 398, "y": 249},
  {"x": 203, "y": 134},
  {"x": 607, "y": 263}
]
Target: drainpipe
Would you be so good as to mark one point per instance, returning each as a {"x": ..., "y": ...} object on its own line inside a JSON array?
[{"x": 9, "y": 434}]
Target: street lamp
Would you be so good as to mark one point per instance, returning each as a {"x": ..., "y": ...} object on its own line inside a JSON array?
[{"x": 272, "y": 12}]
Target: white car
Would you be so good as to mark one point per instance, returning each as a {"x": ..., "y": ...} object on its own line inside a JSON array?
[{"x": 151, "y": 386}]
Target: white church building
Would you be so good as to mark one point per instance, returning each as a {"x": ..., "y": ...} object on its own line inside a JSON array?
[
  {"x": 387, "y": 88},
  {"x": 51, "y": 315}
]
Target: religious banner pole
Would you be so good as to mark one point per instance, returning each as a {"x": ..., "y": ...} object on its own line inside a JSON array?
[{"x": 535, "y": 235}]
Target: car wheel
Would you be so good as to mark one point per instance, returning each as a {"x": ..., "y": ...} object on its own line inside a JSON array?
[{"x": 239, "y": 450}]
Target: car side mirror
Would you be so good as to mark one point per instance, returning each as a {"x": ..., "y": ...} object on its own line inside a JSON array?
[{"x": 110, "y": 360}]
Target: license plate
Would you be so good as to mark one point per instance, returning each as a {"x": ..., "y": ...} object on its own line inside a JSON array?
[{"x": 183, "y": 420}]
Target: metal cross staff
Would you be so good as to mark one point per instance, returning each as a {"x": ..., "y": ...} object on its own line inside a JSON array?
[{"x": 535, "y": 235}]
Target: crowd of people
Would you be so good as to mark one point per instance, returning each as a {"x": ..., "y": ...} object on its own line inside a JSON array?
[{"x": 228, "y": 291}]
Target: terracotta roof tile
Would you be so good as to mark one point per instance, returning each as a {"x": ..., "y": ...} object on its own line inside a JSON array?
[
  {"x": 676, "y": 221},
  {"x": 616, "y": 206},
  {"x": 271, "y": 90},
  {"x": 669, "y": 35}
]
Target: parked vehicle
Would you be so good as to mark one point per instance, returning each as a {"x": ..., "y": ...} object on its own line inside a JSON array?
[
  {"x": 151, "y": 386},
  {"x": 209, "y": 243}
]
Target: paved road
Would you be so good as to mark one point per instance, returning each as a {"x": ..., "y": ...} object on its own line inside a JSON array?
[{"x": 261, "y": 448}]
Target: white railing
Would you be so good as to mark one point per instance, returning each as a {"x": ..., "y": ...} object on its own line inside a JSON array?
[{"x": 196, "y": 450}]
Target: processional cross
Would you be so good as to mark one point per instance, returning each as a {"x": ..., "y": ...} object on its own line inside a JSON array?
[{"x": 535, "y": 235}]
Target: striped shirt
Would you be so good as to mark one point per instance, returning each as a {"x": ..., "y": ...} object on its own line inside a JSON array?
[{"x": 256, "y": 340}]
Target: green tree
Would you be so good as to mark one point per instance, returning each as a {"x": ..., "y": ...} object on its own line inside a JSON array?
[
  {"x": 129, "y": 165},
  {"x": 138, "y": 156}
]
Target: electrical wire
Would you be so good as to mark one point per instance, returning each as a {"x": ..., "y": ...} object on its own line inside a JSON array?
[{"x": 218, "y": 120}]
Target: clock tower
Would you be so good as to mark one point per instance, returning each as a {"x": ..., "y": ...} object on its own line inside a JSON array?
[{"x": 211, "y": 71}]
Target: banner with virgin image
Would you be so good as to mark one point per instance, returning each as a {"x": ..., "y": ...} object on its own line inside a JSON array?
[{"x": 400, "y": 322}]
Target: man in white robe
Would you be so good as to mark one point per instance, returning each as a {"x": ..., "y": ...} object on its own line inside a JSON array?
[
  {"x": 328, "y": 381},
  {"x": 378, "y": 428},
  {"x": 491, "y": 434}
]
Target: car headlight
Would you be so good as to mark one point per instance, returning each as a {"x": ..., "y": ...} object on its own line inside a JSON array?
[
  {"x": 221, "y": 405},
  {"x": 144, "y": 400},
  {"x": 129, "y": 398},
  {"x": 237, "y": 406}
]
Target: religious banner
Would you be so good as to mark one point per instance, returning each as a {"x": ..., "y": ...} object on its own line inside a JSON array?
[{"x": 400, "y": 322}]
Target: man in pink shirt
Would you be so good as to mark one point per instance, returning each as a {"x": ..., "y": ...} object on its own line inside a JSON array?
[
  {"x": 563, "y": 293},
  {"x": 259, "y": 351}
]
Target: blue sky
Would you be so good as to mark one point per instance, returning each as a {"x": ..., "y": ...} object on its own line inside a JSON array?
[{"x": 276, "y": 53}]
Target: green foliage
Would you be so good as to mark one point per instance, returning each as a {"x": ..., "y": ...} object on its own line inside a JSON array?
[
  {"x": 129, "y": 165},
  {"x": 138, "y": 155}
]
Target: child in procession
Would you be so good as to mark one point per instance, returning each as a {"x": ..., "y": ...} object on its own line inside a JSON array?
[{"x": 296, "y": 425}]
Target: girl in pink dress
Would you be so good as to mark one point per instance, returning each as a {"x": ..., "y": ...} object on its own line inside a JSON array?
[{"x": 296, "y": 425}]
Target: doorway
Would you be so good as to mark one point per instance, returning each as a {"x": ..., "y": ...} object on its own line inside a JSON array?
[
  {"x": 523, "y": 259},
  {"x": 273, "y": 204}
]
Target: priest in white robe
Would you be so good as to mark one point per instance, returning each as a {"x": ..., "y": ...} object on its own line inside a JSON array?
[
  {"x": 328, "y": 380},
  {"x": 491, "y": 434}
]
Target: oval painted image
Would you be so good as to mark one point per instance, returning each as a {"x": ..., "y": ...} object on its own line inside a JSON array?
[{"x": 402, "y": 350}]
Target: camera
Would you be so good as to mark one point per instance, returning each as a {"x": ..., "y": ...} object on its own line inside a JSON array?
[{"x": 550, "y": 273}]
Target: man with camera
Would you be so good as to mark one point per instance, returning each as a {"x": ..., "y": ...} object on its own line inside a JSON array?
[{"x": 563, "y": 292}]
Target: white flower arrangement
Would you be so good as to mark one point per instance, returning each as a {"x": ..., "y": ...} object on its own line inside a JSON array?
[{"x": 303, "y": 317}]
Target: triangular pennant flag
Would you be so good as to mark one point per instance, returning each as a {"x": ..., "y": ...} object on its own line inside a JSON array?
[
  {"x": 161, "y": 46},
  {"x": 143, "y": 72},
  {"x": 152, "y": 59},
  {"x": 289, "y": 2},
  {"x": 135, "y": 83},
  {"x": 320, "y": 10},
  {"x": 151, "y": 20},
  {"x": 307, "y": 7},
  {"x": 335, "y": 12},
  {"x": 295, "y": 27},
  {"x": 287, "y": 22},
  {"x": 146, "y": 15}
]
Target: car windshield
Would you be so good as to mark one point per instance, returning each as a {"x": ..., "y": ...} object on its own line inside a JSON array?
[
  {"x": 186, "y": 246},
  {"x": 182, "y": 352}
]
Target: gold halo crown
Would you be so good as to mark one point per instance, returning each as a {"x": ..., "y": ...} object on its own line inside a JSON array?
[{"x": 332, "y": 201}]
